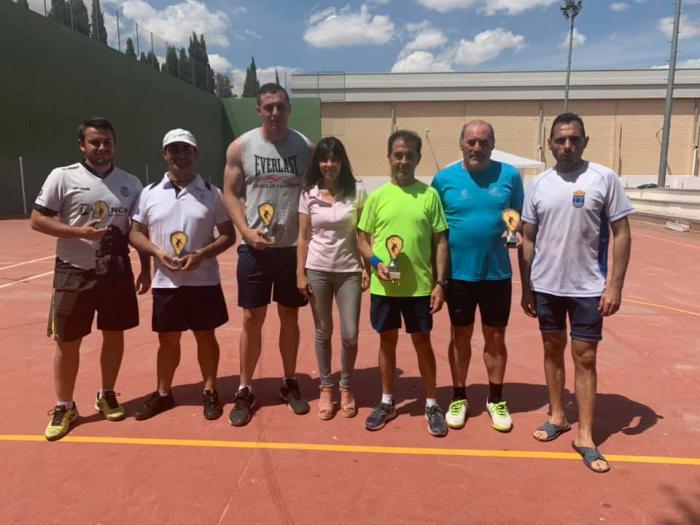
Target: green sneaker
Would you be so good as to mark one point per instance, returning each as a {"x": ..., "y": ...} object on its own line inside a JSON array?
[
  {"x": 109, "y": 407},
  {"x": 457, "y": 413},
  {"x": 500, "y": 417},
  {"x": 60, "y": 423}
]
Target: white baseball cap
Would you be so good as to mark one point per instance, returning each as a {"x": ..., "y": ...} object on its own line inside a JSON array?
[{"x": 179, "y": 135}]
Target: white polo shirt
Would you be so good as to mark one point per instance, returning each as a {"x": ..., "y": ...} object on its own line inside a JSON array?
[
  {"x": 195, "y": 209},
  {"x": 573, "y": 212},
  {"x": 71, "y": 193}
]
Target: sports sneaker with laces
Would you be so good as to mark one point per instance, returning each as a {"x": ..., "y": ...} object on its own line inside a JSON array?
[
  {"x": 500, "y": 417},
  {"x": 290, "y": 394},
  {"x": 380, "y": 416},
  {"x": 437, "y": 425},
  {"x": 61, "y": 420},
  {"x": 212, "y": 408},
  {"x": 242, "y": 411},
  {"x": 154, "y": 405},
  {"x": 109, "y": 407},
  {"x": 456, "y": 416}
]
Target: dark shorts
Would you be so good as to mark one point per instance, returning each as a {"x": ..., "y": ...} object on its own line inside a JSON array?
[
  {"x": 584, "y": 316},
  {"x": 78, "y": 294},
  {"x": 188, "y": 308},
  {"x": 386, "y": 312},
  {"x": 492, "y": 297},
  {"x": 261, "y": 273}
]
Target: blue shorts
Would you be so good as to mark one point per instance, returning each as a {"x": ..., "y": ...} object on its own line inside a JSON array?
[
  {"x": 584, "y": 315},
  {"x": 492, "y": 297},
  {"x": 199, "y": 308},
  {"x": 386, "y": 312},
  {"x": 261, "y": 273}
]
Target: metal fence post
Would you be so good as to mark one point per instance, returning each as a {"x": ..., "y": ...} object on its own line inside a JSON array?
[{"x": 21, "y": 181}]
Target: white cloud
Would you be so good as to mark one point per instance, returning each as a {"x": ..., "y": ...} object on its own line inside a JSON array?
[
  {"x": 688, "y": 28},
  {"x": 579, "y": 39},
  {"x": 514, "y": 7},
  {"x": 486, "y": 46},
  {"x": 692, "y": 63},
  {"x": 420, "y": 61},
  {"x": 425, "y": 37},
  {"x": 247, "y": 35},
  {"x": 219, "y": 64},
  {"x": 344, "y": 27},
  {"x": 619, "y": 6},
  {"x": 444, "y": 6}
]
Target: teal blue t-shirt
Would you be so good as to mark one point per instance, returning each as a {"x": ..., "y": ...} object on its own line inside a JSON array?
[{"x": 473, "y": 204}]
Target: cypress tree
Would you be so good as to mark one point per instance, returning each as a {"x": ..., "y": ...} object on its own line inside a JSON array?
[
  {"x": 251, "y": 86},
  {"x": 170, "y": 65},
  {"x": 81, "y": 21},
  {"x": 130, "y": 51},
  {"x": 99, "y": 32}
]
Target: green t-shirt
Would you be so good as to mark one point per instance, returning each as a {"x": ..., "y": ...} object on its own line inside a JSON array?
[{"x": 414, "y": 213}]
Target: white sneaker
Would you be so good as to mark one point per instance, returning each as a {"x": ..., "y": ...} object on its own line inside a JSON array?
[
  {"x": 456, "y": 415},
  {"x": 500, "y": 417}
]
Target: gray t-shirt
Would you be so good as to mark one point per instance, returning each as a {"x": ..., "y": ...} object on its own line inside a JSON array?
[
  {"x": 573, "y": 212},
  {"x": 77, "y": 196},
  {"x": 274, "y": 174}
]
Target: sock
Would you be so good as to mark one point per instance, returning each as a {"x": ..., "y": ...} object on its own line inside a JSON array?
[
  {"x": 162, "y": 394},
  {"x": 242, "y": 386},
  {"x": 459, "y": 392},
  {"x": 495, "y": 392},
  {"x": 430, "y": 402},
  {"x": 388, "y": 399},
  {"x": 284, "y": 380},
  {"x": 67, "y": 404},
  {"x": 102, "y": 392}
]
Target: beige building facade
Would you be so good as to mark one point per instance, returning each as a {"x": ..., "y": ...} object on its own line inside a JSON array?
[{"x": 623, "y": 112}]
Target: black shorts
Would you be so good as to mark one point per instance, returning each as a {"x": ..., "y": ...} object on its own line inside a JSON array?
[
  {"x": 261, "y": 273},
  {"x": 78, "y": 294},
  {"x": 492, "y": 297},
  {"x": 386, "y": 312},
  {"x": 197, "y": 308},
  {"x": 584, "y": 315}
]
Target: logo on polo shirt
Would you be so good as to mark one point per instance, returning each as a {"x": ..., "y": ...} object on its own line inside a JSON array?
[
  {"x": 579, "y": 199},
  {"x": 124, "y": 191}
]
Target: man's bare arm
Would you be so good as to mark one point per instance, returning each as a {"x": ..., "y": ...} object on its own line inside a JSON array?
[
  {"x": 611, "y": 299},
  {"x": 54, "y": 227},
  {"x": 525, "y": 256}
]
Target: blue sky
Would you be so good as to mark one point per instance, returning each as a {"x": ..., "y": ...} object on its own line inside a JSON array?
[{"x": 417, "y": 35}]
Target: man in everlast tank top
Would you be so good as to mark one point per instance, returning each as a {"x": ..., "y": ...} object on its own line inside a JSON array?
[{"x": 262, "y": 183}]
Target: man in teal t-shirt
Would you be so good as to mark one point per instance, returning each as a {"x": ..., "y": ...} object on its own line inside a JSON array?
[
  {"x": 474, "y": 193},
  {"x": 401, "y": 223}
]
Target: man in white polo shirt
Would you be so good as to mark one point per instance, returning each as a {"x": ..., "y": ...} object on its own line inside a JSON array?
[
  {"x": 87, "y": 207},
  {"x": 174, "y": 222},
  {"x": 568, "y": 214}
]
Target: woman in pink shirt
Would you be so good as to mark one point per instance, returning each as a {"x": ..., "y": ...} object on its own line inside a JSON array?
[{"x": 329, "y": 263}]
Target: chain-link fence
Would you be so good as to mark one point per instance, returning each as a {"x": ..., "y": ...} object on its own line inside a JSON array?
[{"x": 106, "y": 23}]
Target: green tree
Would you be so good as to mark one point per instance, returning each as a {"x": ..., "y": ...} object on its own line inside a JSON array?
[
  {"x": 277, "y": 78},
  {"x": 185, "y": 66},
  {"x": 99, "y": 32},
  {"x": 152, "y": 59},
  {"x": 59, "y": 12},
  {"x": 130, "y": 51},
  {"x": 223, "y": 88},
  {"x": 251, "y": 86},
  {"x": 170, "y": 66},
  {"x": 23, "y": 3},
  {"x": 81, "y": 21}
]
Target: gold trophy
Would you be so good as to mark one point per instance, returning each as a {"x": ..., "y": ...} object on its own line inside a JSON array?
[
  {"x": 100, "y": 210},
  {"x": 512, "y": 220},
  {"x": 267, "y": 213},
  {"x": 178, "y": 240},
  {"x": 394, "y": 244}
]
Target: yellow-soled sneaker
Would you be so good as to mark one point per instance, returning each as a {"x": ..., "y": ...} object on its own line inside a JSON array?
[
  {"x": 109, "y": 407},
  {"x": 500, "y": 416},
  {"x": 61, "y": 419}
]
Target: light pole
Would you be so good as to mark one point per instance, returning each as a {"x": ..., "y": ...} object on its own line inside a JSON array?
[
  {"x": 570, "y": 8},
  {"x": 663, "y": 158}
]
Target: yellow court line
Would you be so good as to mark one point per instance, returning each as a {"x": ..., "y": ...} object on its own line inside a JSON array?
[
  {"x": 25, "y": 279},
  {"x": 358, "y": 449},
  {"x": 697, "y": 247},
  {"x": 28, "y": 262},
  {"x": 689, "y": 312}
]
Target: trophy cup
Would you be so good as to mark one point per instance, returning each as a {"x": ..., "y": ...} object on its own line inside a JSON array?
[
  {"x": 394, "y": 244},
  {"x": 267, "y": 213},
  {"x": 512, "y": 220},
  {"x": 100, "y": 210},
  {"x": 178, "y": 241}
]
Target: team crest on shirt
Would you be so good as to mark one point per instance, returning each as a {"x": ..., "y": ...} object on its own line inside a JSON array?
[
  {"x": 579, "y": 199},
  {"x": 124, "y": 191}
]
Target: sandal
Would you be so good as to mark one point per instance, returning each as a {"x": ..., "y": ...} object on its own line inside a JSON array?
[
  {"x": 347, "y": 403},
  {"x": 325, "y": 403},
  {"x": 553, "y": 431},
  {"x": 589, "y": 455}
]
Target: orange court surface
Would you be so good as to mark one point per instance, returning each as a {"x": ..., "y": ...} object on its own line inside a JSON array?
[{"x": 178, "y": 468}]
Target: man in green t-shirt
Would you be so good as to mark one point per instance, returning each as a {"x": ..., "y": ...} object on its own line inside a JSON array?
[{"x": 402, "y": 224}]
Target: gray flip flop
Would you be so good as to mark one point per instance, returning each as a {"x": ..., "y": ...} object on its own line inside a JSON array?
[
  {"x": 589, "y": 455},
  {"x": 553, "y": 431}
]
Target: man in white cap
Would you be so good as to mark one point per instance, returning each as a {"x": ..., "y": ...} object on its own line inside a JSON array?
[{"x": 174, "y": 222}]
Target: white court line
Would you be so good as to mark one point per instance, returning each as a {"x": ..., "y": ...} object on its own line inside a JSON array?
[
  {"x": 32, "y": 277},
  {"x": 28, "y": 262}
]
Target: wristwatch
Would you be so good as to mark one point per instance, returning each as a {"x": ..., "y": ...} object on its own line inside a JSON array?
[{"x": 442, "y": 283}]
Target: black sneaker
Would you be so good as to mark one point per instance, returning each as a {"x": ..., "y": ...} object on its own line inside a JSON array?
[
  {"x": 289, "y": 393},
  {"x": 242, "y": 411},
  {"x": 380, "y": 416},
  {"x": 437, "y": 425},
  {"x": 212, "y": 408},
  {"x": 154, "y": 405}
]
